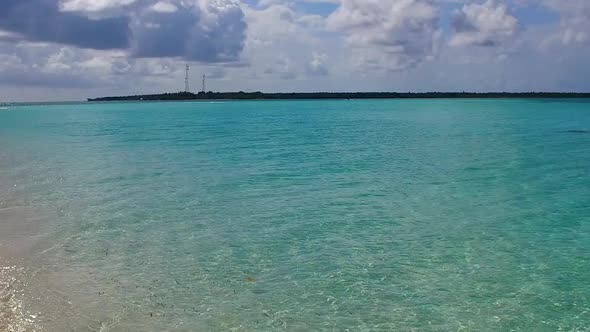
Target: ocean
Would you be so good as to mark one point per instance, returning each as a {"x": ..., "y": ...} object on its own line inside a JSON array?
[{"x": 360, "y": 215}]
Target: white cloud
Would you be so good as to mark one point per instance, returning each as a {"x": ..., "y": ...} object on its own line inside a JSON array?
[
  {"x": 317, "y": 66},
  {"x": 486, "y": 24},
  {"x": 92, "y": 5},
  {"x": 280, "y": 40},
  {"x": 575, "y": 20},
  {"x": 276, "y": 22},
  {"x": 393, "y": 34},
  {"x": 163, "y": 7}
]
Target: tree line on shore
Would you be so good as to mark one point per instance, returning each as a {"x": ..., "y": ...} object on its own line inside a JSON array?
[{"x": 336, "y": 95}]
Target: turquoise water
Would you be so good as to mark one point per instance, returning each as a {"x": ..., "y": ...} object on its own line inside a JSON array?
[{"x": 385, "y": 215}]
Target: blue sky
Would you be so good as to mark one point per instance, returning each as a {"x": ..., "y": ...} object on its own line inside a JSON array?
[{"x": 74, "y": 49}]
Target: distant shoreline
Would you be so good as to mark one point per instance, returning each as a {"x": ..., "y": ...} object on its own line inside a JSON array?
[{"x": 182, "y": 96}]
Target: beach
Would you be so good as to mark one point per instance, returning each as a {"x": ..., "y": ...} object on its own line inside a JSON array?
[
  {"x": 13, "y": 316},
  {"x": 19, "y": 233},
  {"x": 13, "y": 288},
  {"x": 367, "y": 215}
]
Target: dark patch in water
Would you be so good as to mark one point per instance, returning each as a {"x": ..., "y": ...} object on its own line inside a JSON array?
[
  {"x": 576, "y": 131},
  {"x": 258, "y": 291}
]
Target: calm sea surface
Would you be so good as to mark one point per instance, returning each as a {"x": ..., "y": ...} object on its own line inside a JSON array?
[{"x": 363, "y": 215}]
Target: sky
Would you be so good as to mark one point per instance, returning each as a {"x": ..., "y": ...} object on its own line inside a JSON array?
[{"x": 58, "y": 50}]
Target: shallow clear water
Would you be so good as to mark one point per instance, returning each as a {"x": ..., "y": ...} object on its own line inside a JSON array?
[{"x": 385, "y": 215}]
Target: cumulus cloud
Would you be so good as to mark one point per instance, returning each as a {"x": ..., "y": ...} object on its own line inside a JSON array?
[
  {"x": 43, "y": 66},
  {"x": 196, "y": 30},
  {"x": 205, "y": 30},
  {"x": 485, "y": 24},
  {"x": 279, "y": 23},
  {"x": 393, "y": 34},
  {"x": 280, "y": 41},
  {"x": 42, "y": 20},
  {"x": 51, "y": 65}
]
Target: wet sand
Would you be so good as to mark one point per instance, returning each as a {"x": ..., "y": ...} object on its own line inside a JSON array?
[
  {"x": 19, "y": 231},
  {"x": 14, "y": 317}
]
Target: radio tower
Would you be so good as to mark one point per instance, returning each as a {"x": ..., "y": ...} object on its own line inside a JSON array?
[
  {"x": 204, "y": 80},
  {"x": 186, "y": 81}
]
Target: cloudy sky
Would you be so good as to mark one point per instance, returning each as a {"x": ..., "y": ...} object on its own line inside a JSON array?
[{"x": 74, "y": 49}]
